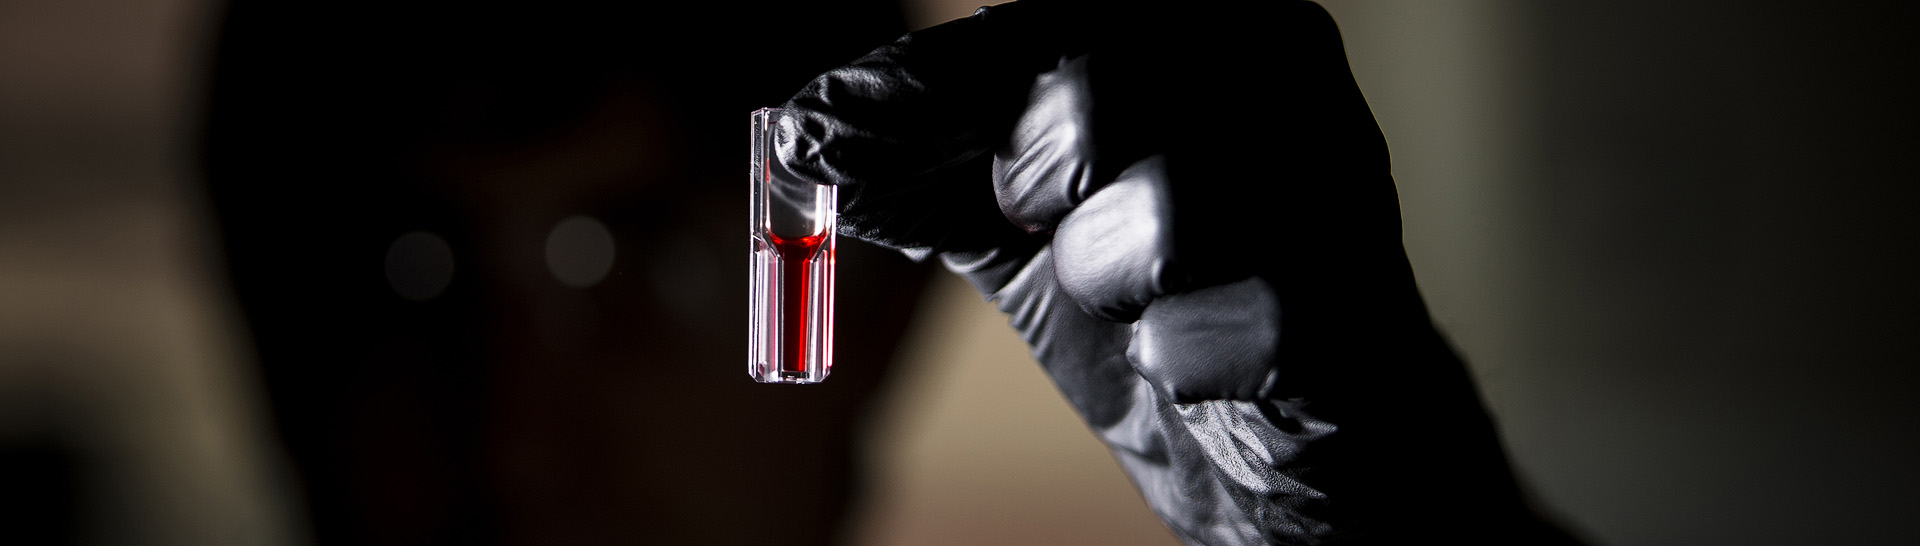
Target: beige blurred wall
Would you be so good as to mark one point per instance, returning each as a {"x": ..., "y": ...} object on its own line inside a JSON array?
[
  {"x": 118, "y": 345},
  {"x": 973, "y": 445}
]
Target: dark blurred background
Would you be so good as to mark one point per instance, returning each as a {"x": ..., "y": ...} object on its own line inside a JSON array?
[{"x": 458, "y": 273}]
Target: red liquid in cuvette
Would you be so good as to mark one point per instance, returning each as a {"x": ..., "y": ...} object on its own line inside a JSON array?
[{"x": 797, "y": 258}]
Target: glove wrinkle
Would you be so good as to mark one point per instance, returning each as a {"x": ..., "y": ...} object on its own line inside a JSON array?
[
  {"x": 934, "y": 98},
  {"x": 1138, "y": 432},
  {"x": 1116, "y": 249},
  {"x": 1046, "y": 168},
  {"x": 899, "y": 215},
  {"x": 1252, "y": 453},
  {"x": 990, "y": 270},
  {"x": 1216, "y": 343},
  {"x": 1068, "y": 343}
]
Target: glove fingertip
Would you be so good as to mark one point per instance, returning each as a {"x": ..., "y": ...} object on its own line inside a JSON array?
[
  {"x": 1216, "y": 343},
  {"x": 1116, "y": 250},
  {"x": 934, "y": 98}
]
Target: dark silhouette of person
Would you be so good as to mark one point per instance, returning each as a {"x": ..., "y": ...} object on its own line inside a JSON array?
[{"x": 391, "y": 182}]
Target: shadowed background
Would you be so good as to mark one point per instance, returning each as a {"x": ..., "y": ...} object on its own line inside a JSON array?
[{"x": 1675, "y": 242}]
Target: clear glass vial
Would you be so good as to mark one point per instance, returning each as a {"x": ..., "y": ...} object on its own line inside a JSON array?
[{"x": 793, "y": 224}]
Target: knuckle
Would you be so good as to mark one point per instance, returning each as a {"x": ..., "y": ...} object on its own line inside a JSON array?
[{"x": 1214, "y": 343}]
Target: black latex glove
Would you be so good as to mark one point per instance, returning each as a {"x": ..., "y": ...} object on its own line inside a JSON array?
[{"x": 1192, "y": 221}]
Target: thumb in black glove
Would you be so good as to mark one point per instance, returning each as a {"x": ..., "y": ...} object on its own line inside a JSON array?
[{"x": 1193, "y": 224}]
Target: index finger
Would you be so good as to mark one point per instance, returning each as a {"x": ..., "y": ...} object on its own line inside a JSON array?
[{"x": 932, "y": 99}]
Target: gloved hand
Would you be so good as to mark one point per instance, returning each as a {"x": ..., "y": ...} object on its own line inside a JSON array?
[{"x": 1192, "y": 222}]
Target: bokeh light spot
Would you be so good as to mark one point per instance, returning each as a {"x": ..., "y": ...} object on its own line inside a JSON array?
[
  {"x": 419, "y": 265},
  {"x": 579, "y": 251}
]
